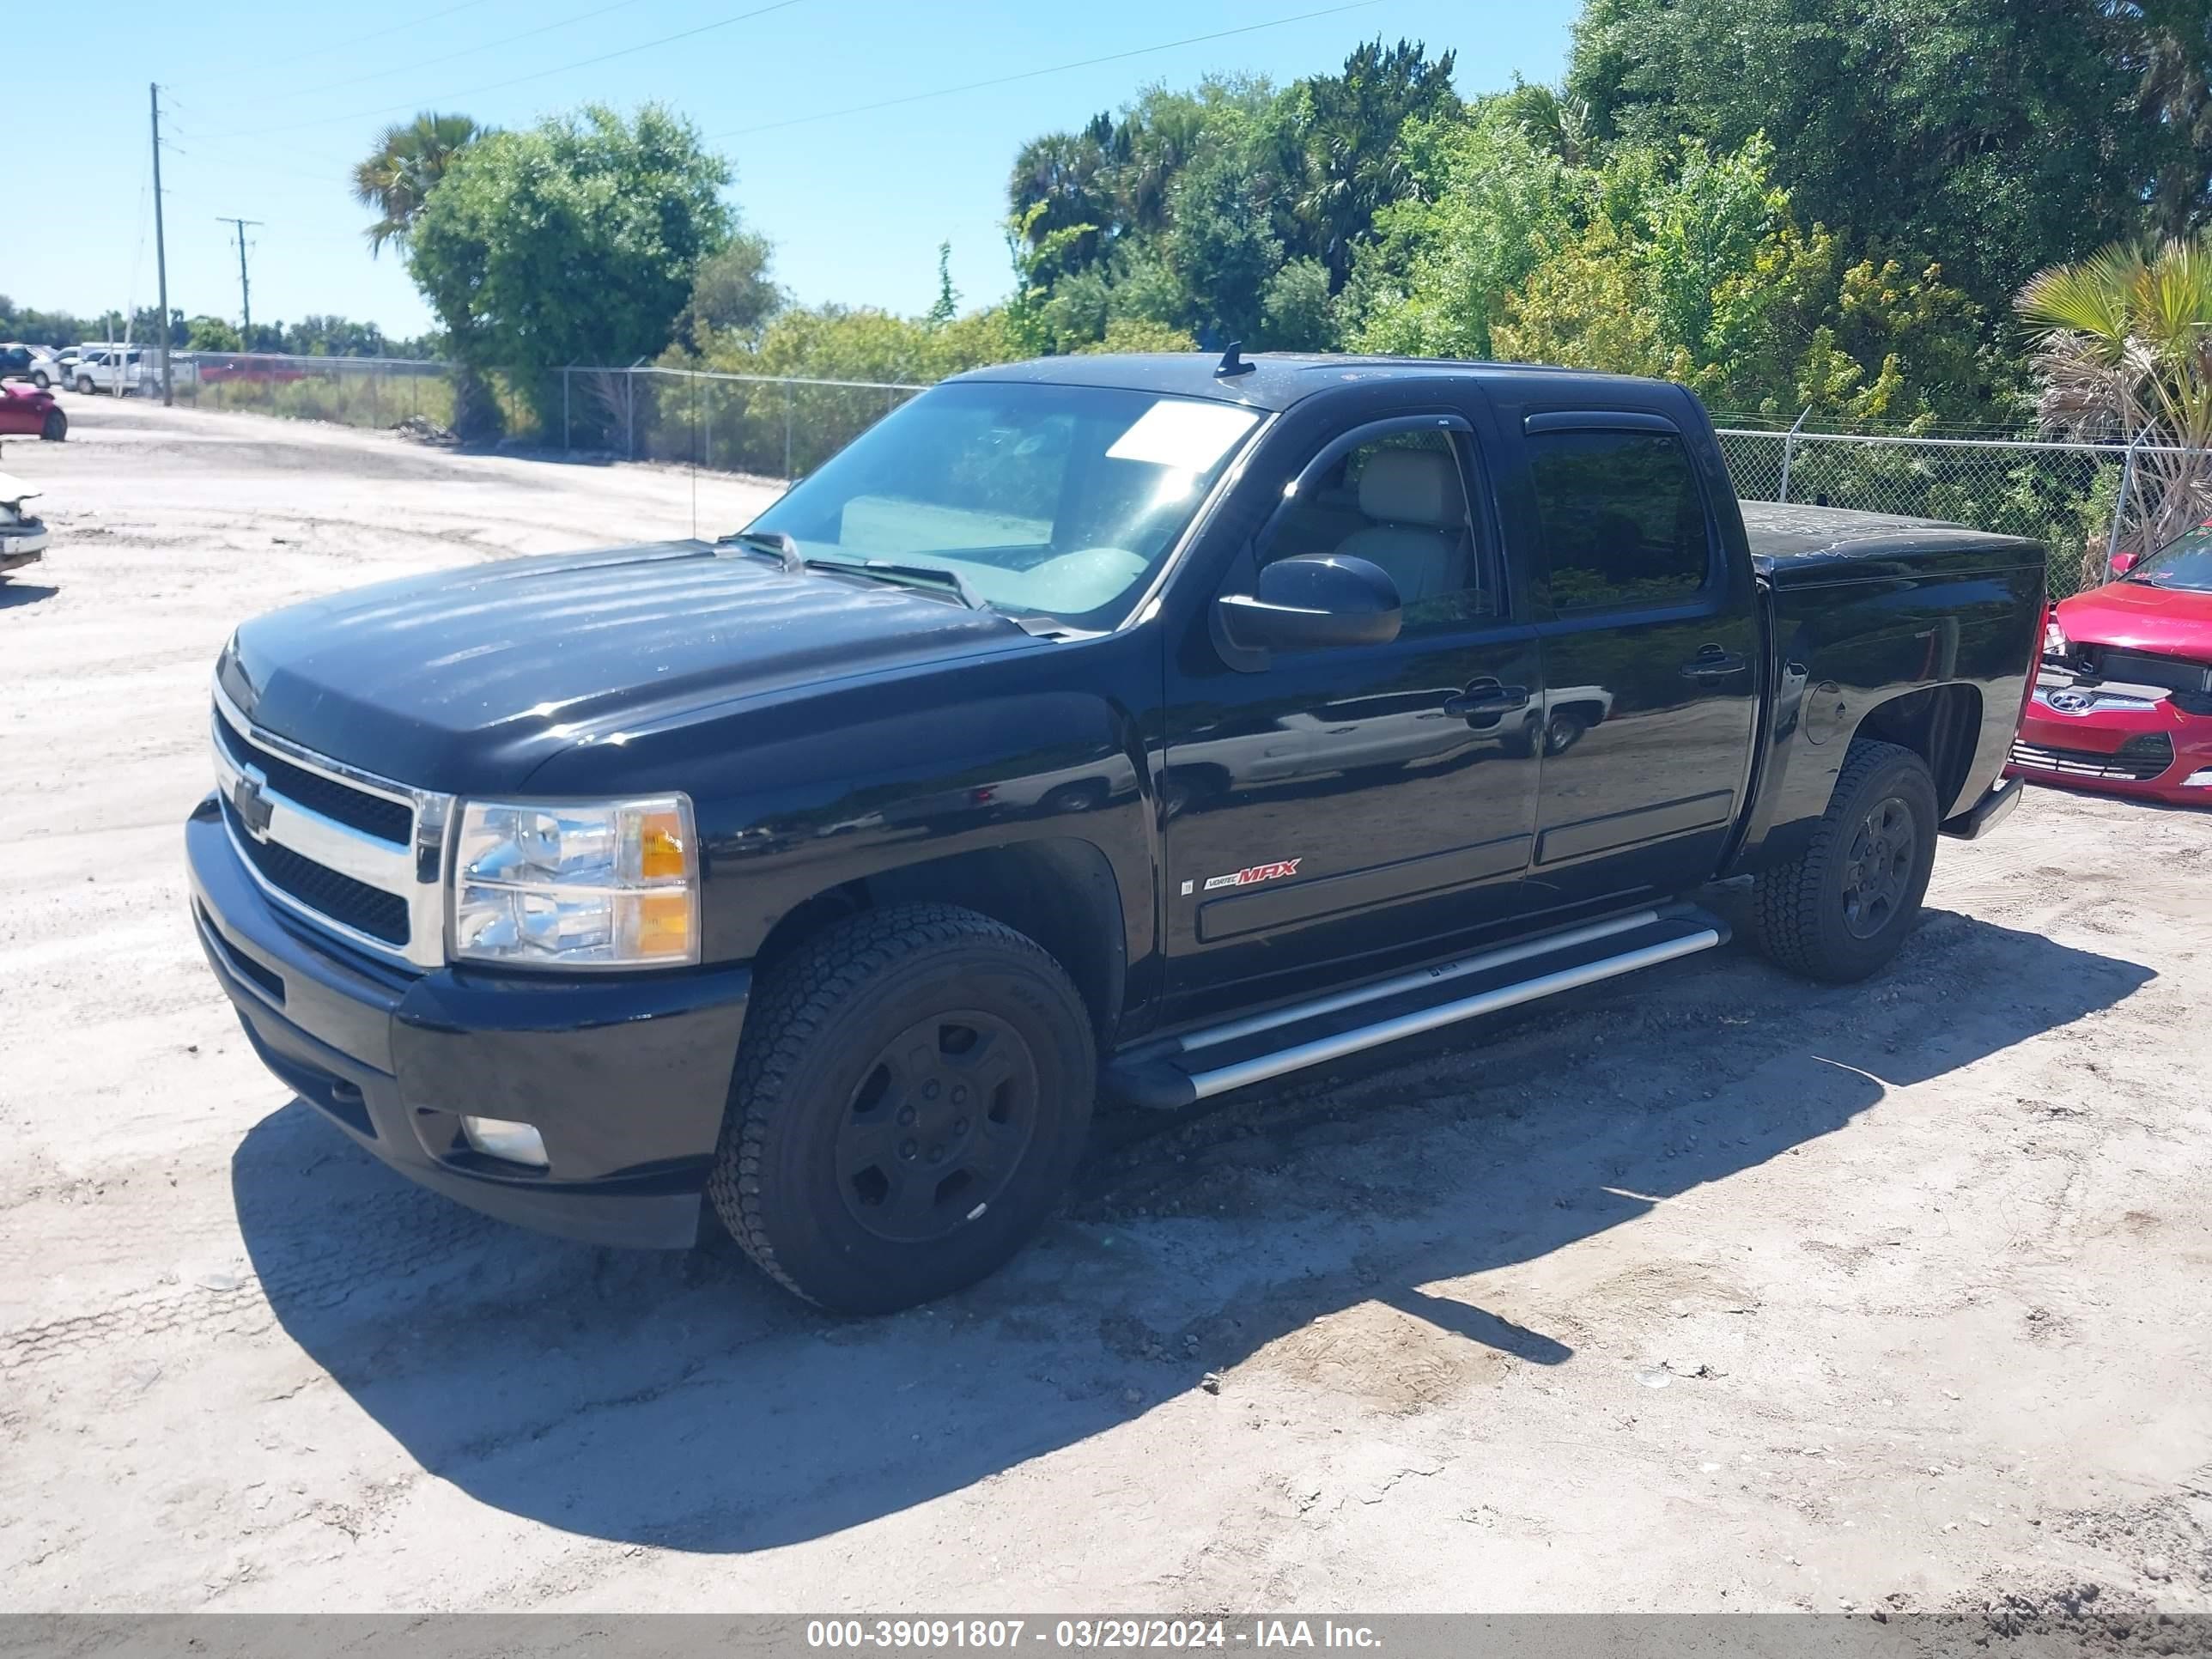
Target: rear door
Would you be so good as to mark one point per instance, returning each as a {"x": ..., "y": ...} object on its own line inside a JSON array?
[
  {"x": 1354, "y": 803},
  {"x": 1649, "y": 633}
]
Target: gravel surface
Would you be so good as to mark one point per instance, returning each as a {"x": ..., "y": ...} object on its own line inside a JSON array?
[{"x": 1705, "y": 1289}]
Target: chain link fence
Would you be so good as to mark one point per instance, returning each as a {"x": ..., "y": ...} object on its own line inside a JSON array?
[
  {"x": 363, "y": 391},
  {"x": 2083, "y": 502},
  {"x": 768, "y": 426},
  {"x": 369, "y": 391}
]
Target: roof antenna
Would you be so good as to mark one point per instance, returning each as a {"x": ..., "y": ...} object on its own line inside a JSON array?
[{"x": 1233, "y": 363}]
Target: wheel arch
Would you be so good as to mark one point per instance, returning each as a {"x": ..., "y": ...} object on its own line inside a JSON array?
[
  {"x": 1939, "y": 723},
  {"x": 1060, "y": 890}
]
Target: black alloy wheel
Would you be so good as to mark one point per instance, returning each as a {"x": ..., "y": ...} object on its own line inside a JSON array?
[{"x": 937, "y": 1126}]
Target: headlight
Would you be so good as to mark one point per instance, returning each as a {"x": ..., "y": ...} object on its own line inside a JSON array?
[
  {"x": 596, "y": 884},
  {"x": 2056, "y": 645}
]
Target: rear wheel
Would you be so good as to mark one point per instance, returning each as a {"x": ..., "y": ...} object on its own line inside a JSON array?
[
  {"x": 1076, "y": 797},
  {"x": 914, "y": 1089},
  {"x": 55, "y": 426},
  {"x": 1841, "y": 910}
]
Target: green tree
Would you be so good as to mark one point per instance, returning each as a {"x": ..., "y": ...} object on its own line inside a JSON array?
[
  {"x": 2166, "y": 45},
  {"x": 574, "y": 242},
  {"x": 731, "y": 291},
  {"x": 1994, "y": 136},
  {"x": 946, "y": 306},
  {"x": 1297, "y": 311},
  {"x": 1347, "y": 127},
  {"x": 1696, "y": 267},
  {"x": 334, "y": 337},
  {"x": 36, "y": 327},
  {"x": 397, "y": 177},
  {"x": 1483, "y": 196},
  {"x": 1220, "y": 245},
  {"x": 210, "y": 334},
  {"x": 1141, "y": 334},
  {"x": 2124, "y": 351}
]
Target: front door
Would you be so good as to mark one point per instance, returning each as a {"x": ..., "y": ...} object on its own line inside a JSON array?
[{"x": 1357, "y": 805}]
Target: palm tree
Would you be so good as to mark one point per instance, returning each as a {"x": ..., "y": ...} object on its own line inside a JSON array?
[
  {"x": 410, "y": 158},
  {"x": 2125, "y": 350}
]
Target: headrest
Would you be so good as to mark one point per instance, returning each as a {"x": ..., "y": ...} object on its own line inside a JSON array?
[{"x": 1411, "y": 486}]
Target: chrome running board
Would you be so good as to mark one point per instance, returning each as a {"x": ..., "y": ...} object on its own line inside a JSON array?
[{"x": 1179, "y": 1070}]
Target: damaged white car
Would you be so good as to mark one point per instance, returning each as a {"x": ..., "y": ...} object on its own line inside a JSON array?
[{"x": 22, "y": 534}]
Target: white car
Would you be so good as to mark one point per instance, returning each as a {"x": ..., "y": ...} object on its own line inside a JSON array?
[
  {"x": 22, "y": 536},
  {"x": 121, "y": 370}
]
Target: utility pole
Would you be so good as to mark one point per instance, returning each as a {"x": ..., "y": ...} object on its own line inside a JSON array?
[
  {"x": 244, "y": 293},
  {"x": 161, "y": 247}
]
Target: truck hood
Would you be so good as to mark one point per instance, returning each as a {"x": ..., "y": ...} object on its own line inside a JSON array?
[
  {"x": 2170, "y": 622},
  {"x": 468, "y": 680}
]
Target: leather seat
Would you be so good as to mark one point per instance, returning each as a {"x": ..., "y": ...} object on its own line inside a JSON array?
[{"x": 1417, "y": 522}]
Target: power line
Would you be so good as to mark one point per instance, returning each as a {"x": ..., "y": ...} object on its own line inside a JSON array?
[
  {"x": 1031, "y": 74},
  {"x": 411, "y": 67},
  {"x": 362, "y": 39},
  {"x": 515, "y": 81}
]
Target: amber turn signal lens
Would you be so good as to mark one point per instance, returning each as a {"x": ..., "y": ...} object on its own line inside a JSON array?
[
  {"x": 661, "y": 852},
  {"x": 663, "y": 924}
]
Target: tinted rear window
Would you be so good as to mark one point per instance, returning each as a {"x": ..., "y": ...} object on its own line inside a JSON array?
[{"x": 1622, "y": 519}]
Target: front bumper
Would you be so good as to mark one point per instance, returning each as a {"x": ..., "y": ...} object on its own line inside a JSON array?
[
  {"x": 2121, "y": 740},
  {"x": 625, "y": 1078},
  {"x": 20, "y": 544}
]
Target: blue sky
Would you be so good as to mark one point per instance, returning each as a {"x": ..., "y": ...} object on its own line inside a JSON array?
[{"x": 269, "y": 101}]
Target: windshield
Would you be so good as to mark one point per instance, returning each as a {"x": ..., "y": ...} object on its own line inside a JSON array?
[
  {"x": 1051, "y": 500},
  {"x": 2185, "y": 564}
]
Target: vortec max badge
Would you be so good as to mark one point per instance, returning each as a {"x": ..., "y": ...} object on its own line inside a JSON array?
[{"x": 1246, "y": 878}]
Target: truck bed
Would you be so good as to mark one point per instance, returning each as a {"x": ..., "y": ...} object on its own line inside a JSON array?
[{"x": 1794, "y": 545}]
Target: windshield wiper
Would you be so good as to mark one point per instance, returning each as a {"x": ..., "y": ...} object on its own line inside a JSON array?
[
  {"x": 785, "y": 550},
  {"x": 906, "y": 575}
]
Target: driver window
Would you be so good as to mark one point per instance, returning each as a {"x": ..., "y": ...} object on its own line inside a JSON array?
[{"x": 1400, "y": 502}]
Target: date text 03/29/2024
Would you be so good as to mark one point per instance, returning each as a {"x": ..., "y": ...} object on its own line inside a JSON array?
[{"x": 951, "y": 1635}]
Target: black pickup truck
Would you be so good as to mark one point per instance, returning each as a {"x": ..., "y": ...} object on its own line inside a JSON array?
[{"x": 1148, "y": 726}]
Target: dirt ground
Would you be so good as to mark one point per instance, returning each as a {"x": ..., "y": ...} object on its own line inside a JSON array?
[{"x": 1706, "y": 1290}]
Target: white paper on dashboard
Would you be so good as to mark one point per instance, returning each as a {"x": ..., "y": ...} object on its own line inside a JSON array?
[{"x": 1179, "y": 433}]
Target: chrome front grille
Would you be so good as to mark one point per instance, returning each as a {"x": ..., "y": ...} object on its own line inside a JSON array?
[{"x": 356, "y": 855}]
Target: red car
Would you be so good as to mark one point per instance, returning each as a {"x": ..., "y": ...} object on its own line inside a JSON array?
[
  {"x": 2124, "y": 702},
  {"x": 25, "y": 409}
]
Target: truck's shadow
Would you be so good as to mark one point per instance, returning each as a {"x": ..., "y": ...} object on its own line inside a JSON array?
[{"x": 681, "y": 1400}]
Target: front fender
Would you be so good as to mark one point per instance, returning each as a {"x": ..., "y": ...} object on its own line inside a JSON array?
[{"x": 824, "y": 788}]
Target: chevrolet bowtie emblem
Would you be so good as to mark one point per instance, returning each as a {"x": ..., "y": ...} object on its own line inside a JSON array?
[{"x": 252, "y": 806}]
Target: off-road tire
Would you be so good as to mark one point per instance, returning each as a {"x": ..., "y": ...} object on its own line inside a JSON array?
[
  {"x": 822, "y": 1020},
  {"x": 1803, "y": 920}
]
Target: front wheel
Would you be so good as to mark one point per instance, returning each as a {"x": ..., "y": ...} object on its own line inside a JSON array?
[
  {"x": 84, "y": 385},
  {"x": 1841, "y": 909},
  {"x": 913, "y": 1090},
  {"x": 1563, "y": 730},
  {"x": 39, "y": 379},
  {"x": 55, "y": 426}
]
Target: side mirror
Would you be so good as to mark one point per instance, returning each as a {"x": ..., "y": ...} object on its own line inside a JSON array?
[{"x": 1310, "y": 602}]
